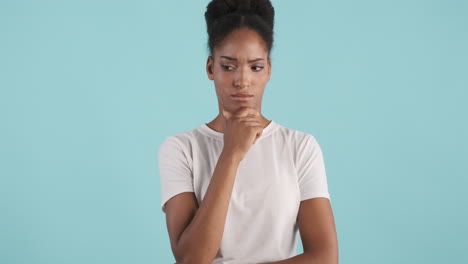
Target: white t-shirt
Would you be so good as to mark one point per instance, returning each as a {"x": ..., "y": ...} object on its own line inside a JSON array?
[{"x": 281, "y": 169}]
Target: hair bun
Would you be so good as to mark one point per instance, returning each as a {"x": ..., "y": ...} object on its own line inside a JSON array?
[
  {"x": 224, "y": 16},
  {"x": 220, "y": 8}
]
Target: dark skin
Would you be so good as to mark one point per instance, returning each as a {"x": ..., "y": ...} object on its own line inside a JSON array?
[
  {"x": 240, "y": 64},
  {"x": 196, "y": 230}
]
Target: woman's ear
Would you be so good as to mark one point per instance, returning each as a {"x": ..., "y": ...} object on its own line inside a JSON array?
[
  {"x": 269, "y": 68},
  {"x": 209, "y": 67}
]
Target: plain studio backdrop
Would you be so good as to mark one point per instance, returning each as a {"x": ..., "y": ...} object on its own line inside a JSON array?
[{"x": 90, "y": 89}]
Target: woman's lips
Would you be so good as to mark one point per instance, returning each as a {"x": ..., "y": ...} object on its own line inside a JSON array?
[{"x": 241, "y": 98}]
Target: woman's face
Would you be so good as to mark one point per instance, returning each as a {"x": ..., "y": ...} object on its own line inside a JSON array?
[{"x": 240, "y": 65}]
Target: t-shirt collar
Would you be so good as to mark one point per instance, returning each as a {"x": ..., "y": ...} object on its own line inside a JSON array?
[{"x": 205, "y": 129}]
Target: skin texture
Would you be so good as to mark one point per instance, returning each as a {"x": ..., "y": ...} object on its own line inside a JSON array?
[{"x": 196, "y": 230}]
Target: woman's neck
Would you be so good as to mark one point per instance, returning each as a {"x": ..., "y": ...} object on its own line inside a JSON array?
[{"x": 218, "y": 124}]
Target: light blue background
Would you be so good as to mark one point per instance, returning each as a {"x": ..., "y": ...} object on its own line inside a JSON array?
[{"x": 89, "y": 90}]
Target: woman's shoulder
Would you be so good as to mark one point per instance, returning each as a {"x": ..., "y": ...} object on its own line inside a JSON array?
[
  {"x": 189, "y": 139},
  {"x": 295, "y": 134},
  {"x": 179, "y": 140},
  {"x": 180, "y": 136}
]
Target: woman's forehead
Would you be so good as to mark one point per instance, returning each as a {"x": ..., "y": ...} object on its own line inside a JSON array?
[
  {"x": 242, "y": 44},
  {"x": 241, "y": 53}
]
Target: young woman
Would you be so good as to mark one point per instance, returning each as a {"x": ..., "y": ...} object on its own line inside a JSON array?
[{"x": 240, "y": 188}]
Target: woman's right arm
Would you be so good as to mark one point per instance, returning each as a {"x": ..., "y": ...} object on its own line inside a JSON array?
[{"x": 196, "y": 233}]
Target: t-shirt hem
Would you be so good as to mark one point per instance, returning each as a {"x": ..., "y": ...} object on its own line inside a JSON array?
[
  {"x": 315, "y": 195},
  {"x": 169, "y": 196}
]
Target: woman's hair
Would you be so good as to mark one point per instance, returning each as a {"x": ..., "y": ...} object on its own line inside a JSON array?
[{"x": 224, "y": 16}]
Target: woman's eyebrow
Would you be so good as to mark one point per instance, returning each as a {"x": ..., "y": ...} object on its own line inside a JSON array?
[{"x": 234, "y": 59}]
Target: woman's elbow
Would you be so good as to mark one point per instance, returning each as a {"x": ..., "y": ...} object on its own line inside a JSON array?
[
  {"x": 325, "y": 255},
  {"x": 197, "y": 256}
]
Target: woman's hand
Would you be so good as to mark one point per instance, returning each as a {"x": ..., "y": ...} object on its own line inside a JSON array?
[{"x": 242, "y": 129}]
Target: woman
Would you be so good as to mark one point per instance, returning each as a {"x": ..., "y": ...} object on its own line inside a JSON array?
[{"x": 239, "y": 188}]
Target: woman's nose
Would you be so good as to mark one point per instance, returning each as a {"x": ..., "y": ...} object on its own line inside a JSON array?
[{"x": 242, "y": 78}]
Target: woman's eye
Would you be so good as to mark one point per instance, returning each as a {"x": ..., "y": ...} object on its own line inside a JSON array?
[
  {"x": 226, "y": 67},
  {"x": 257, "y": 68}
]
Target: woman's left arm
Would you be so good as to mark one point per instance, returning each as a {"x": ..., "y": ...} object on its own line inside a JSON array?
[{"x": 318, "y": 233}]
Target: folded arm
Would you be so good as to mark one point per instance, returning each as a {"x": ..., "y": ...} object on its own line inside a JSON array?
[{"x": 318, "y": 233}]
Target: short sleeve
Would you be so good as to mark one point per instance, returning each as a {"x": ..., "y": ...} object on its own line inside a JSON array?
[
  {"x": 174, "y": 170},
  {"x": 311, "y": 170}
]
